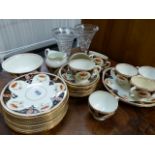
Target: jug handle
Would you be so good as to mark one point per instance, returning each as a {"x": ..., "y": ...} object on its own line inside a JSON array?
[{"x": 46, "y": 51}]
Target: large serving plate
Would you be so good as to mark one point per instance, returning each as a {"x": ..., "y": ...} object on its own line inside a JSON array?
[
  {"x": 114, "y": 88},
  {"x": 33, "y": 94}
]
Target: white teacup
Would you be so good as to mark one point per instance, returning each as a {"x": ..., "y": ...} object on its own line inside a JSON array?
[
  {"x": 55, "y": 59},
  {"x": 81, "y": 62},
  {"x": 123, "y": 73},
  {"x": 82, "y": 77},
  {"x": 147, "y": 72},
  {"x": 142, "y": 87},
  {"x": 102, "y": 105},
  {"x": 100, "y": 59}
]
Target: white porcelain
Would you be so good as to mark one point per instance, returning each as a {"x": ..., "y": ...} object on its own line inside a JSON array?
[
  {"x": 123, "y": 92},
  {"x": 147, "y": 71},
  {"x": 139, "y": 93},
  {"x": 99, "y": 59},
  {"x": 82, "y": 77},
  {"x": 121, "y": 80},
  {"x": 97, "y": 69},
  {"x": 103, "y": 102},
  {"x": 143, "y": 83},
  {"x": 73, "y": 78},
  {"x": 93, "y": 53},
  {"x": 55, "y": 59},
  {"x": 22, "y": 63},
  {"x": 33, "y": 94},
  {"x": 126, "y": 69},
  {"x": 81, "y": 64}
]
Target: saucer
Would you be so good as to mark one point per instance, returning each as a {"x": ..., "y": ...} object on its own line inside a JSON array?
[
  {"x": 72, "y": 79},
  {"x": 123, "y": 93},
  {"x": 33, "y": 94}
]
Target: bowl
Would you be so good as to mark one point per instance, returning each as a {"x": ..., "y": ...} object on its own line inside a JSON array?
[
  {"x": 22, "y": 63},
  {"x": 102, "y": 104}
]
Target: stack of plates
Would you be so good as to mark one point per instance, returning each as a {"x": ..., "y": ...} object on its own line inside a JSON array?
[
  {"x": 78, "y": 89},
  {"x": 34, "y": 102}
]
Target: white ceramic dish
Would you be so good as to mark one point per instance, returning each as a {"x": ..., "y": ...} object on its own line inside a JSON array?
[
  {"x": 147, "y": 71},
  {"x": 126, "y": 69},
  {"x": 33, "y": 94},
  {"x": 22, "y": 63},
  {"x": 103, "y": 102},
  {"x": 123, "y": 93}
]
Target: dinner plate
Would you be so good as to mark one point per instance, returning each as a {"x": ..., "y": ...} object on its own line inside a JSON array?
[
  {"x": 114, "y": 88},
  {"x": 33, "y": 94}
]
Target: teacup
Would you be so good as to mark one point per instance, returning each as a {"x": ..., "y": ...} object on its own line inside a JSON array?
[
  {"x": 97, "y": 69},
  {"x": 102, "y": 105},
  {"x": 82, "y": 77},
  {"x": 100, "y": 59},
  {"x": 142, "y": 87},
  {"x": 81, "y": 62},
  {"x": 55, "y": 59},
  {"x": 123, "y": 73},
  {"x": 147, "y": 72}
]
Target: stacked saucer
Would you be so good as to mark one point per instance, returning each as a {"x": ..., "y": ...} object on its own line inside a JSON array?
[
  {"x": 80, "y": 74},
  {"x": 34, "y": 102}
]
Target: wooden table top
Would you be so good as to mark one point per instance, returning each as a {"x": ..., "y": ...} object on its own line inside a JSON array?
[{"x": 78, "y": 121}]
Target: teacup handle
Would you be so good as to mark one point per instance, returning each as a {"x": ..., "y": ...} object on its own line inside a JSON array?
[
  {"x": 131, "y": 91},
  {"x": 112, "y": 73},
  {"x": 97, "y": 69},
  {"x": 46, "y": 52},
  {"x": 91, "y": 56},
  {"x": 107, "y": 64}
]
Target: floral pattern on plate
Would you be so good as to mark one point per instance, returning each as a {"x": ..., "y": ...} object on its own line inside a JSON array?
[{"x": 34, "y": 93}]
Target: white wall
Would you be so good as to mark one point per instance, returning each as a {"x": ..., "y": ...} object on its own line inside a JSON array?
[{"x": 27, "y": 34}]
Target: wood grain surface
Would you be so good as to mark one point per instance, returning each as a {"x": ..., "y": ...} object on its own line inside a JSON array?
[{"x": 131, "y": 41}]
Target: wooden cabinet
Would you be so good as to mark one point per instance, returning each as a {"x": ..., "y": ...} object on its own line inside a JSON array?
[{"x": 131, "y": 41}]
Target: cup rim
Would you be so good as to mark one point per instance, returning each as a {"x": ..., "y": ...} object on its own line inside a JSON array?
[
  {"x": 143, "y": 69},
  {"x": 126, "y": 75},
  {"x": 99, "y": 110}
]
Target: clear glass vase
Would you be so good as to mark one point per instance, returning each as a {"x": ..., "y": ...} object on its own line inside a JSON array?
[
  {"x": 64, "y": 38},
  {"x": 84, "y": 34}
]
